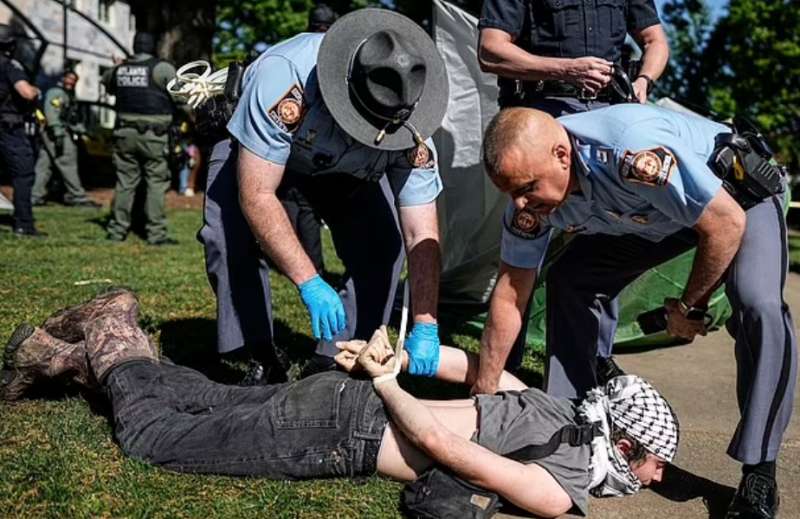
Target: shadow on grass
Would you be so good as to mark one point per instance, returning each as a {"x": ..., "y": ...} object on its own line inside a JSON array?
[{"x": 680, "y": 485}]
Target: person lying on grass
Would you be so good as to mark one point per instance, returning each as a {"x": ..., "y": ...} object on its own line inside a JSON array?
[{"x": 336, "y": 425}]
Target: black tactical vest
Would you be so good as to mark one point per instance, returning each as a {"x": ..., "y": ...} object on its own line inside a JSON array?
[
  {"x": 136, "y": 92},
  {"x": 12, "y": 106},
  {"x": 572, "y": 29}
]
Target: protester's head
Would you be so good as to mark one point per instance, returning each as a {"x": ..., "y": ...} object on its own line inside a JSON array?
[
  {"x": 8, "y": 39},
  {"x": 320, "y": 18},
  {"x": 69, "y": 79},
  {"x": 144, "y": 43},
  {"x": 528, "y": 155},
  {"x": 644, "y": 428}
]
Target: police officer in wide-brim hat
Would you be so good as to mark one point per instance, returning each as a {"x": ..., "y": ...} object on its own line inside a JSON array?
[{"x": 346, "y": 117}]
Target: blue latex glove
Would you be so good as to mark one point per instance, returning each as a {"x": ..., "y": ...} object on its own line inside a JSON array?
[
  {"x": 324, "y": 307},
  {"x": 423, "y": 349}
]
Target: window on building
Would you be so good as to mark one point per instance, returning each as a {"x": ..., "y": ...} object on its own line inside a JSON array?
[
  {"x": 131, "y": 22},
  {"x": 104, "y": 10},
  {"x": 107, "y": 115}
]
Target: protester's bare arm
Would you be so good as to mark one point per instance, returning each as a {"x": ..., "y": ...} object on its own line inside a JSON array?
[
  {"x": 26, "y": 90},
  {"x": 655, "y": 56},
  {"x": 527, "y": 486},
  {"x": 258, "y": 182},
  {"x": 510, "y": 296},
  {"x": 719, "y": 231},
  {"x": 455, "y": 365},
  {"x": 421, "y": 235},
  {"x": 498, "y": 54}
]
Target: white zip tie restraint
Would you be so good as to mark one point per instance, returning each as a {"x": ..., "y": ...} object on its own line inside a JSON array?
[
  {"x": 195, "y": 88},
  {"x": 401, "y": 339}
]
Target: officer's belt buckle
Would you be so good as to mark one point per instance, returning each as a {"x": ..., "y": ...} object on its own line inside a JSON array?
[{"x": 584, "y": 94}]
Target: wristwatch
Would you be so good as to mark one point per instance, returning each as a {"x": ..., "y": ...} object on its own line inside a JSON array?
[
  {"x": 693, "y": 313},
  {"x": 650, "y": 82}
]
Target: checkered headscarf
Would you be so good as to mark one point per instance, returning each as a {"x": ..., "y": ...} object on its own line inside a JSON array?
[{"x": 637, "y": 409}]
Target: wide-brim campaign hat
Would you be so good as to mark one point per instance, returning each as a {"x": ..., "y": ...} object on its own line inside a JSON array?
[{"x": 382, "y": 79}]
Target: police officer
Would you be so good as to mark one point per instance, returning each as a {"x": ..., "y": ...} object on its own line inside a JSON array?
[
  {"x": 305, "y": 221},
  {"x": 17, "y": 97},
  {"x": 58, "y": 150},
  {"x": 346, "y": 116},
  {"x": 636, "y": 186},
  {"x": 144, "y": 114},
  {"x": 557, "y": 56}
]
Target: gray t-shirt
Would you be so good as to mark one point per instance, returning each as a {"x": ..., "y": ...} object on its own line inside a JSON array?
[{"x": 510, "y": 420}]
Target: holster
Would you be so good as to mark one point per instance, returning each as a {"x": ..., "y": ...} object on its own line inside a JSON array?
[{"x": 744, "y": 163}]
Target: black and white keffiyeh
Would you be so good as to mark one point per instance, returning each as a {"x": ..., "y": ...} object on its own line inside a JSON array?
[{"x": 634, "y": 406}]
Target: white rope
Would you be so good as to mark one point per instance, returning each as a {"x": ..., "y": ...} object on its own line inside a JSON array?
[
  {"x": 194, "y": 87},
  {"x": 401, "y": 339}
]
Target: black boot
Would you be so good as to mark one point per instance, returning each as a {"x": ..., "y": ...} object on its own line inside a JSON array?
[
  {"x": 607, "y": 369},
  {"x": 756, "y": 498}
]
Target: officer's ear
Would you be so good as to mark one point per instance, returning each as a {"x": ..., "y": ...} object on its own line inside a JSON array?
[{"x": 562, "y": 154}]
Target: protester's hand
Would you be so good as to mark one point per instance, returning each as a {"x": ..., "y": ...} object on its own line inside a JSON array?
[
  {"x": 678, "y": 325},
  {"x": 423, "y": 349},
  {"x": 378, "y": 358},
  {"x": 58, "y": 145},
  {"x": 350, "y": 350},
  {"x": 324, "y": 307},
  {"x": 589, "y": 73},
  {"x": 640, "y": 89},
  {"x": 483, "y": 387}
]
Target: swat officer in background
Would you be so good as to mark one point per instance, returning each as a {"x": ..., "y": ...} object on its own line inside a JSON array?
[
  {"x": 559, "y": 57},
  {"x": 347, "y": 117},
  {"x": 59, "y": 151},
  {"x": 17, "y": 100},
  {"x": 141, "y": 138}
]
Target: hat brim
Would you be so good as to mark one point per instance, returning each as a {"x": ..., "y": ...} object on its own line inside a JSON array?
[{"x": 333, "y": 64}]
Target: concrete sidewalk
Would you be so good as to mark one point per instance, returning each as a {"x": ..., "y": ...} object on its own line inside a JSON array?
[{"x": 699, "y": 381}]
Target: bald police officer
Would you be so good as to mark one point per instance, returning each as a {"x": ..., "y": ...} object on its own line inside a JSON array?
[
  {"x": 347, "y": 116},
  {"x": 59, "y": 152},
  {"x": 558, "y": 56},
  {"x": 17, "y": 96},
  {"x": 144, "y": 114},
  {"x": 635, "y": 183}
]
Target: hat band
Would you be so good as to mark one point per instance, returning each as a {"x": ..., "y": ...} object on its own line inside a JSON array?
[{"x": 390, "y": 121}]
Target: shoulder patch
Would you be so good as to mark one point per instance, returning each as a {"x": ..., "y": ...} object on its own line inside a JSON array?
[
  {"x": 524, "y": 224},
  {"x": 56, "y": 102},
  {"x": 652, "y": 167},
  {"x": 288, "y": 112},
  {"x": 421, "y": 157}
]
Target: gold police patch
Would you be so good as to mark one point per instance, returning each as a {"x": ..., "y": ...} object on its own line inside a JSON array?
[
  {"x": 651, "y": 167},
  {"x": 288, "y": 112},
  {"x": 421, "y": 157},
  {"x": 524, "y": 224}
]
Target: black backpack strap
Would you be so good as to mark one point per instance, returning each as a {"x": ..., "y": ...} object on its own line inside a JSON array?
[{"x": 575, "y": 435}]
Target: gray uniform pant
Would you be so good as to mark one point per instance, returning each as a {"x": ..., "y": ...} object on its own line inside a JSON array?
[
  {"x": 67, "y": 166},
  {"x": 595, "y": 268},
  {"x": 364, "y": 226}
]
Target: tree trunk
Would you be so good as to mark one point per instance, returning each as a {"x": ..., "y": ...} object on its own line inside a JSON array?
[{"x": 184, "y": 28}]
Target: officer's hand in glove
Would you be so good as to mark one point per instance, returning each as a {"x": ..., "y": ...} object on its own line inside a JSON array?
[
  {"x": 423, "y": 349},
  {"x": 59, "y": 146},
  {"x": 324, "y": 307}
]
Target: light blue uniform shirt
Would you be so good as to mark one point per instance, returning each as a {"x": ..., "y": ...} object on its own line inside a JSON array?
[
  {"x": 610, "y": 148},
  {"x": 282, "y": 118}
]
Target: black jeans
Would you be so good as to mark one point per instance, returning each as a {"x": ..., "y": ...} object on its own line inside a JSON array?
[
  {"x": 16, "y": 155},
  {"x": 324, "y": 426}
]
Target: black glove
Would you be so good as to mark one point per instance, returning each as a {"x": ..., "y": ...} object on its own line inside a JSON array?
[{"x": 59, "y": 145}]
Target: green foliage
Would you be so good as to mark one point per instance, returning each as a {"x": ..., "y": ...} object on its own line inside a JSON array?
[
  {"x": 245, "y": 26},
  {"x": 748, "y": 64}
]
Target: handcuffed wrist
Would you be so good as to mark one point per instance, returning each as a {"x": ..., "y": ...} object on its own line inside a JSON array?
[{"x": 383, "y": 378}]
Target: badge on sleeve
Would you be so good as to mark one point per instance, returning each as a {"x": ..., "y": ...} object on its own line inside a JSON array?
[
  {"x": 288, "y": 112},
  {"x": 524, "y": 224},
  {"x": 652, "y": 167},
  {"x": 421, "y": 157},
  {"x": 56, "y": 102}
]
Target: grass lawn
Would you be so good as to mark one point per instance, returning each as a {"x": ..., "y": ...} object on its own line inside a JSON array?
[{"x": 57, "y": 457}]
